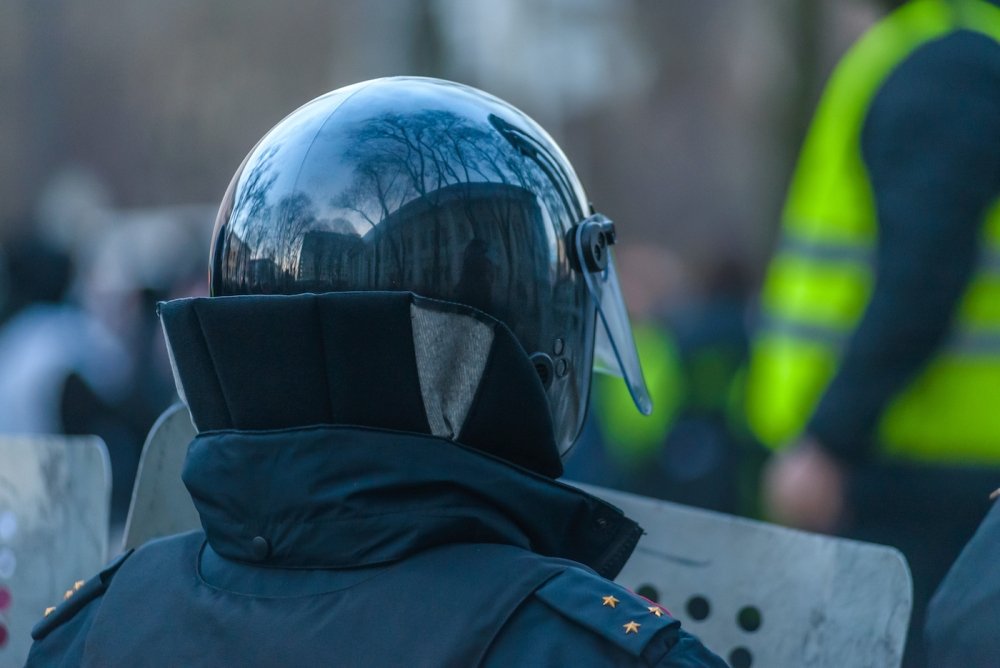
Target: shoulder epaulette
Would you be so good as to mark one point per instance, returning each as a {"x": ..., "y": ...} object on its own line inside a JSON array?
[
  {"x": 609, "y": 610},
  {"x": 77, "y": 597}
]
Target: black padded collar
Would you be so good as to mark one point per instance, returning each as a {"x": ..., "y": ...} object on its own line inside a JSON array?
[
  {"x": 260, "y": 362},
  {"x": 345, "y": 497}
]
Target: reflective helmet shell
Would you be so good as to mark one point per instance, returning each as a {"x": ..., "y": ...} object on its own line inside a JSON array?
[{"x": 420, "y": 185}]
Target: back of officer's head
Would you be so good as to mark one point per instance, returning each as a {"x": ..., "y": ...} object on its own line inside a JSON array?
[{"x": 414, "y": 185}]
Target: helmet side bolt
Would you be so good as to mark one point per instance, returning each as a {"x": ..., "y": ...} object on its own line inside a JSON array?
[{"x": 544, "y": 367}]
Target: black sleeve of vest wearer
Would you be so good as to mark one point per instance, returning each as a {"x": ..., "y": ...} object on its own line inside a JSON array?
[{"x": 931, "y": 143}]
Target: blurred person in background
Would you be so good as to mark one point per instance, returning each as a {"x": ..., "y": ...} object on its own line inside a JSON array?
[
  {"x": 142, "y": 257},
  {"x": 80, "y": 350},
  {"x": 875, "y": 375},
  {"x": 48, "y": 343},
  {"x": 407, "y": 285},
  {"x": 693, "y": 345}
]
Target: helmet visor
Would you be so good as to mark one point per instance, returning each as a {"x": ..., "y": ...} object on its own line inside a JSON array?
[{"x": 614, "y": 347}]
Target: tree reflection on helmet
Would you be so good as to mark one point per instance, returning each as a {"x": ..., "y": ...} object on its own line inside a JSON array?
[{"x": 427, "y": 186}]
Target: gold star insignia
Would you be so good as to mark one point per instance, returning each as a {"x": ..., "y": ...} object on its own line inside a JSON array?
[
  {"x": 610, "y": 601},
  {"x": 655, "y": 610},
  {"x": 77, "y": 585},
  {"x": 69, "y": 592},
  {"x": 48, "y": 611},
  {"x": 631, "y": 627}
]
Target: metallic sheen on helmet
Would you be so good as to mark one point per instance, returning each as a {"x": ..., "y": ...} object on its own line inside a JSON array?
[{"x": 421, "y": 185}]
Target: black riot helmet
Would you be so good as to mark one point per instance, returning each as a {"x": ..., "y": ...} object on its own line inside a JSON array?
[{"x": 432, "y": 187}]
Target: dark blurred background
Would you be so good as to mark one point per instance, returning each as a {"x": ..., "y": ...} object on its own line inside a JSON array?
[
  {"x": 682, "y": 117},
  {"x": 122, "y": 122}
]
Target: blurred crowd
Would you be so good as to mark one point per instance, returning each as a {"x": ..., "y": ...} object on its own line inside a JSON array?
[
  {"x": 80, "y": 346},
  {"x": 683, "y": 119}
]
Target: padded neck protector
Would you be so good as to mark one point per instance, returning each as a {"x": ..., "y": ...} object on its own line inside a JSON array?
[{"x": 259, "y": 362}]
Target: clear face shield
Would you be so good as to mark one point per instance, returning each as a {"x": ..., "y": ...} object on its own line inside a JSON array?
[{"x": 614, "y": 348}]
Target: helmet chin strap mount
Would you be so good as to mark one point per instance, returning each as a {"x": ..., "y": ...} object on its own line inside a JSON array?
[
  {"x": 544, "y": 367},
  {"x": 589, "y": 241}
]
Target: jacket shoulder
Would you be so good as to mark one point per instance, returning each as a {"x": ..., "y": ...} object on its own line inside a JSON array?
[
  {"x": 577, "y": 618},
  {"x": 77, "y": 597},
  {"x": 607, "y": 610}
]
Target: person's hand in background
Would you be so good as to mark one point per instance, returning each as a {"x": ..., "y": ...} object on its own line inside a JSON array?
[{"x": 803, "y": 487}]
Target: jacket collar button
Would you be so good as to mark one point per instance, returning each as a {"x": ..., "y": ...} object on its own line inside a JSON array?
[{"x": 259, "y": 548}]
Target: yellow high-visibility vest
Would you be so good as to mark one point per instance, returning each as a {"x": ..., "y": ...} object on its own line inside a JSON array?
[
  {"x": 630, "y": 437},
  {"x": 820, "y": 280}
]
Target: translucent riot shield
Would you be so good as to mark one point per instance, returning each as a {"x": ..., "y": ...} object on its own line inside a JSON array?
[
  {"x": 55, "y": 502},
  {"x": 763, "y": 595},
  {"x": 160, "y": 504}
]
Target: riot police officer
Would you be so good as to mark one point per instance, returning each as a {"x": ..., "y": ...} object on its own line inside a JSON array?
[{"x": 408, "y": 289}]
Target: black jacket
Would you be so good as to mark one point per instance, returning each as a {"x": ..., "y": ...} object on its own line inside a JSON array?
[{"x": 356, "y": 546}]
